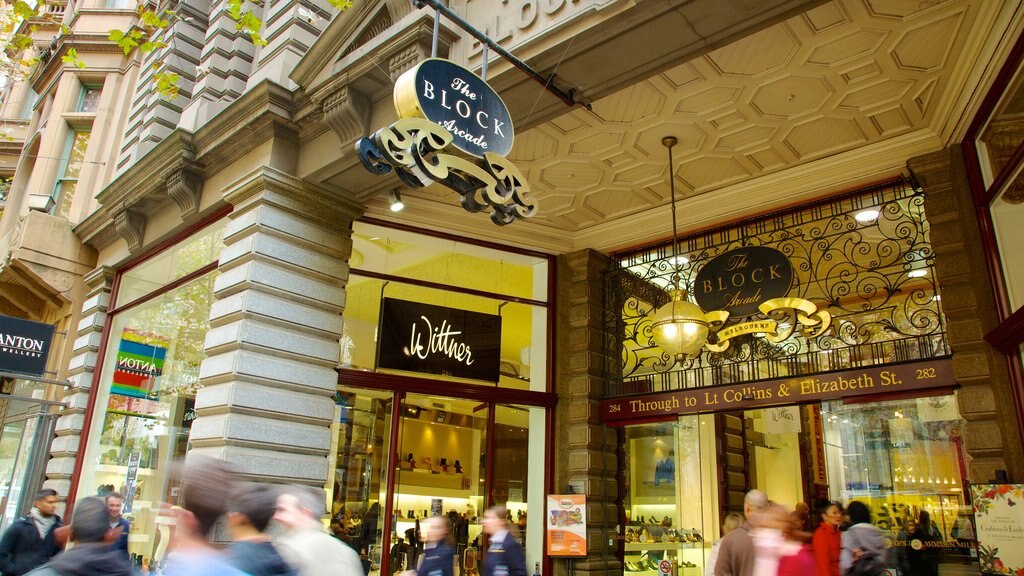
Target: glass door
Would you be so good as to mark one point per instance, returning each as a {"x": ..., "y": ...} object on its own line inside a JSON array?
[{"x": 441, "y": 471}]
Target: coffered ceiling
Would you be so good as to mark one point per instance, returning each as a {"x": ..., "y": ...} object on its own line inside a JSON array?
[
  {"x": 838, "y": 96},
  {"x": 842, "y": 76}
]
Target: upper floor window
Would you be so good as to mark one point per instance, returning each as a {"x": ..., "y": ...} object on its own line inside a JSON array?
[
  {"x": 90, "y": 100},
  {"x": 74, "y": 157}
]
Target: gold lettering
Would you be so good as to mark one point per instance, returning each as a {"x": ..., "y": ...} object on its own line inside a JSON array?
[
  {"x": 737, "y": 261},
  {"x": 742, "y": 279},
  {"x": 707, "y": 286},
  {"x": 773, "y": 272},
  {"x": 753, "y": 275}
]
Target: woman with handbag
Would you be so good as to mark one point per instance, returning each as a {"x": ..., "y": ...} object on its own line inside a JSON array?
[{"x": 864, "y": 552}]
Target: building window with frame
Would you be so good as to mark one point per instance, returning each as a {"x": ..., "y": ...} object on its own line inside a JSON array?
[
  {"x": 67, "y": 181},
  {"x": 90, "y": 99}
]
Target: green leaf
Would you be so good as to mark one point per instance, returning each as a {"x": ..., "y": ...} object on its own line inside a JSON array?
[
  {"x": 65, "y": 30},
  {"x": 72, "y": 58},
  {"x": 152, "y": 19},
  {"x": 23, "y": 10},
  {"x": 167, "y": 83},
  {"x": 21, "y": 41},
  {"x": 340, "y": 4},
  {"x": 115, "y": 36}
]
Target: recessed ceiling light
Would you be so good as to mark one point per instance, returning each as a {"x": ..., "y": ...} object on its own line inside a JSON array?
[
  {"x": 936, "y": 298},
  {"x": 917, "y": 273},
  {"x": 866, "y": 215},
  {"x": 678, "y": 260}
]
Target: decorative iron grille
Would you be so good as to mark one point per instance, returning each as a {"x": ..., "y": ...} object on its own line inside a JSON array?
[{"x": 875, "y": 275}]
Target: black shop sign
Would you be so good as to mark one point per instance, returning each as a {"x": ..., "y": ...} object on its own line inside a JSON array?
[
  {"x": 461, "y": 102},
  {"x": 741, "y": 279},
  {"x": 24, "y": 345},
  {"x": 418, "y": 337}
]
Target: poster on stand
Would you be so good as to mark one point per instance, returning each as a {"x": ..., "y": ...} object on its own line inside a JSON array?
[
  {"x": 999, "y": 521},
  {"x": 567, "y": 525}
]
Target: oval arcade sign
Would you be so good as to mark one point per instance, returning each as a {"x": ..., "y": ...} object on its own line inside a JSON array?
[
  {"x": 458, "y": 100},
  {"x": 741, "y": 279}
]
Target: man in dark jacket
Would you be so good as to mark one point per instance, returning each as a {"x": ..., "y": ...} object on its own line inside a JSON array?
[
  {"x": 31, "y": 541},
  {"x": 249, "y": 514},
  {"x": 92, "y": 553},
  {"x": 118, "y": 522}
]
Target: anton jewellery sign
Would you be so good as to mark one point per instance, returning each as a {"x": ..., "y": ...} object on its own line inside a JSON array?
[
  {"x": 442, "y": 108},
  {"x": 459, "y": 101},
  {"x": 418, "y": 337},
  {"x": 741, "y": 279},
  {"x": 24, "y": 345},
  {"x": 785, "y": 391}
]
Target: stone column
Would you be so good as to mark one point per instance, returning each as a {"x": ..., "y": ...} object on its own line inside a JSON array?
[
  {"x": 968, "y": 302},
  {"x": 290, "y": 29},
  {"x": 65, "y": 448},
  {"x": 266, "y": 403},
  {"x": 585, "y": 448}
]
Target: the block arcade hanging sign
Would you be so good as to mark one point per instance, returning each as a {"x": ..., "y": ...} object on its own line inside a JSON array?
[
  {"x": 443, "y": 107},
  {"x": 785, "y": 391},
  {"x": 750, "y": 280},
  {"x": 417, "y": 337},
  {"x": 24, "y": 346}
]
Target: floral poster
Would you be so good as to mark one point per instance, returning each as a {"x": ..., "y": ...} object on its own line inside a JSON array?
[{"x": 999, "y": 515}]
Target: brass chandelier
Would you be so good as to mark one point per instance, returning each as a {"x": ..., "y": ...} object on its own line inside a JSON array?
[{"x": 679, "y": 327}]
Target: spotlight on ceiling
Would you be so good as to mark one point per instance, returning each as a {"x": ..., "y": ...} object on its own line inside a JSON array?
[
  {"x": 866, "y": 215},
  {"x": 919, "y": 273},
  {"x": 395, "y": 200}
]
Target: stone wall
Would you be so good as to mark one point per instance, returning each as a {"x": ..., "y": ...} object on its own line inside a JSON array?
[{"x": 585, "y": 456}]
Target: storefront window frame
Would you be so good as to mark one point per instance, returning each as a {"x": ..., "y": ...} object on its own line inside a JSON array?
[
  {"x": 402, "y": 385},
  {"x": 174, "y": 240},
  {"x": 1008, "y": 336}
]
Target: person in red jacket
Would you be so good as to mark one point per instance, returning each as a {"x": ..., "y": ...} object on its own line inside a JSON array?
[{"x": 827, "y": 541}]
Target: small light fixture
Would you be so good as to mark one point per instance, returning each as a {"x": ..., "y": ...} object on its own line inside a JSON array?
[
  {"x": 865, "y": 216},
  {"x": 395, "y": 200},
  {"x": 919, "y": 273}
]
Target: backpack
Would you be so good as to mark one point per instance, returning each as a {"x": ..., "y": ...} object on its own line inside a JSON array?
[{"x": 869, "y": 563}]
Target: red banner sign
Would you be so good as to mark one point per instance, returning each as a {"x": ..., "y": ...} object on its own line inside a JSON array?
[{"x": 798, "y": 390}]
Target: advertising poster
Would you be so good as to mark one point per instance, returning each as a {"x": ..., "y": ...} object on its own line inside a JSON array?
[
  {"x": 140, "y": 361},
  {"x": 999, "y": 517},
  {"x": 567, "y": 525}
]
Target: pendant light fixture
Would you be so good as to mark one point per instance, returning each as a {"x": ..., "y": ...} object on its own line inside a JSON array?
[{"x": 679, "y": 327}]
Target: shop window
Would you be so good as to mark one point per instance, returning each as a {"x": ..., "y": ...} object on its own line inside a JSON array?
[
  {"x": 671, "y": 505},
  {"x": 198, "y": 251},
  {"x": 90, "y": 99},
  {"x": 902, "y": 458},
  {"x": 67, "y": 182},
  {"x": 145, "y": 394},
  {"x": 361, "y": 470},
  {"x": 519, "y": 448}
]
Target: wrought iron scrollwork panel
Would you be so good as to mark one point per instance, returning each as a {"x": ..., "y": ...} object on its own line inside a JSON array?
[{"x": 873, "y": 274}]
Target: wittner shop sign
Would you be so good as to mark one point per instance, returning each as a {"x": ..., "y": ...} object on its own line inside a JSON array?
[
  {"x": 24, "y": 345},
  {"x": 443, "y": 107},
  {"x": 802, "y": 389},
  {"x": 436, "y": 340}
]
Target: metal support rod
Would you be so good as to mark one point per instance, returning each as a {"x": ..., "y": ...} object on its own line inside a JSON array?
[
  {"x": 547, "y": 82},
  {"x": 669, "y": 142},
  {"x": 437, "y": 32},
  {"x": 483, "y": 66}
]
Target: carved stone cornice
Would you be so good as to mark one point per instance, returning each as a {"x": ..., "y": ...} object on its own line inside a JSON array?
[
  {"x": 347, "y": 112},
  {"x": 408, "y": 57},
  {"x": 131, "y": 226},
  {"x": 185, "y": 187}
]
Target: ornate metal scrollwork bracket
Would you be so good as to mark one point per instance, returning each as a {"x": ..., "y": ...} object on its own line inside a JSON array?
[{"x": 411, "y": 147}]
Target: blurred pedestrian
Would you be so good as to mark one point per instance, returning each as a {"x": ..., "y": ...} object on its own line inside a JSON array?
[
  {"x": 206, "y": 486},
  {"x": 92, "y": 553},
  {"x": 438, "y": 552},
  {"x": 732, "y": 521},
  {"x": 736, "y": 554},
  {"x": 827, "y": 541},
  {"x": 32, "y": 540},
  {"x": 924, "y": 548},
  {"x": 903, "y": 544},
  {"x": 505, "y": 556},
  {"x": 251, "y": 551},
  {"x": 118, "y": 523},
  {"x": 863, "y": 544},
  {"x": 305, "y": 545},
  {"x": 795, "y": 555}
]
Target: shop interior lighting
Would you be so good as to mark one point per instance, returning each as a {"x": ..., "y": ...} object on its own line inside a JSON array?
[
  {"x": 865, "y": 216},
  {"x": 919, "y": 273},
  {"x": 395, "y": 200}
]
